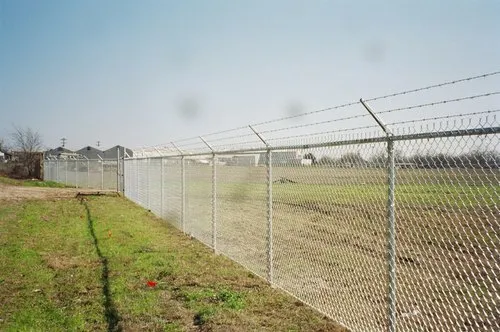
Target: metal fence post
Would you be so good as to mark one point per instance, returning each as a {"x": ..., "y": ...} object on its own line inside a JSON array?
[
  {"x": 214, "y": 197},
  {"x": 162, "y": 195},
  {"x": 123, "y": 172},
  {"x": 147, "y": 183},
  {"x": 391, "y": 223},
  {"x": 57, "y": 170},
  {"x": 137, "y": 163},
  {"x": 391, "y": 234},
  {"x": 214, "y": 203},
  {"x": 269, "y": 172},
  {"x": 183, "y": 195},
  {"x": 66, "y": 173},
  {"x": 118, "y": 169},
  {"x": 269, "y": 216},
  {"x": 76, "y": 173},
  {"x": 102, "y": 173},
  {"x": 88, "y": 173}
]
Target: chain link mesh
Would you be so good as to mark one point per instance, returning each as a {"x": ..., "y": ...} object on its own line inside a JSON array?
[
  {"x": 82, "y": 173},
  {"x": 242, "y": 214}
]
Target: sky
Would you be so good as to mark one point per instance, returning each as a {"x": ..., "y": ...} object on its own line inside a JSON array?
[{"x": 142, "y": 73}]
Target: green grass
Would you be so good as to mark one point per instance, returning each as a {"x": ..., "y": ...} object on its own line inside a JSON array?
[
  {"x": 67, "y": 265},
  {"x": 31, "y": 183}
]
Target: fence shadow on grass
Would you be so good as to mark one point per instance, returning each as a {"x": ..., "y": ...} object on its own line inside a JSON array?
[{"x": 110, "y": 311}]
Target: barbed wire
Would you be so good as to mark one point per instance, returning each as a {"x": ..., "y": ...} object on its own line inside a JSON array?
[
  {"x": 324, "y": 133},
  {"x": 315, "y": 123},
  {"x": 199, "y": 142},
  {"x": 382, "y": 97},
  {"x": 439, "y": 102},
  {"x": 232, "y": 137},
  {"x": 307, "y": 113},
  {"x": 444, "y": 117},
  {"x": 258, "y": 144},
  {"x": 226, "y": 131},
  {"x": 434, "y": 86},
  {"x": 342, "y": 106}
]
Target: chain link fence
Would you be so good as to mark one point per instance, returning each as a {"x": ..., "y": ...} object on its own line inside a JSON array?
[
  {"x": 83, "y": 173},
  {"x": 389, "y": 224},
  {"x": 323, "y": 232}
]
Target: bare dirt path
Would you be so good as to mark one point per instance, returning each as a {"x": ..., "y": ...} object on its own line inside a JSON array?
[{"x": 17, "y": 193}]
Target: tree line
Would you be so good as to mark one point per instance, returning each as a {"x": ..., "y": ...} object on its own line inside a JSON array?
[{"x": 474, "y": 159}]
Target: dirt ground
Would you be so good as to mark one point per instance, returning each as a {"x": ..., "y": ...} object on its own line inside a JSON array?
[{"x": 18, "y": 193}]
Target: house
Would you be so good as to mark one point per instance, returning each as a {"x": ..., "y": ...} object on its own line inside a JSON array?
[
  {"x": 60, "y": 153},
  {"x": 5, "y": 156},
  {"x": 90, "y": 153},
  {"x": 112, "y": 153}
]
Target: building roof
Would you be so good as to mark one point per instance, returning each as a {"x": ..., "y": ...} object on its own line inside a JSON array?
[
  {"x": 90, "y": 152},
  {"x": 112, "y": 153},
  {"x": 57, "y": 151}
]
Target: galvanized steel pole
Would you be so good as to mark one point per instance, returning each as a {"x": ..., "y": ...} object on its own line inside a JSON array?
[
  {"x": 162, "y": 195},
  {"x": 123, "y": 171},
  {"x": 137, "y": 180},
  {"x": 148, "y": 186},
  {"x": 269, "y": 216},
  {"x": 88, "y": 173},
  {"x": 391, "y": 226},
  {"x": 391, "y": 223},
  {"x": 214, "y": 197},
  {"x": 214, "y": 203},
  {"x": 183, "y": 195},
  {"x": 76, "y": 173},
  {"x": 269, "y": 167},
  {"x": 102, "y": 173},
  {"x": 118, "y": 169}
]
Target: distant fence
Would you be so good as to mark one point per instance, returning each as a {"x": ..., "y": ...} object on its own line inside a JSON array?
[
  {"x": 377, "y": 225},
  {"x": 83, "y": 173}
]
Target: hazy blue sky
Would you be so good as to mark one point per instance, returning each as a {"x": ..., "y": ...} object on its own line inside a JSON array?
[{"x": 147, "y": 72}]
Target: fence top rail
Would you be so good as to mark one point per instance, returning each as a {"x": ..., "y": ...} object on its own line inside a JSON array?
[
  {"x": 378, "y": 139},
  {"x": 84, "y": 160}
]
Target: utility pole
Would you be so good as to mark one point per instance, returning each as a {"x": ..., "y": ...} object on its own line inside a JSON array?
[
  {"x": 63, "y": 142},
  {"x": 98, "y": 143}
]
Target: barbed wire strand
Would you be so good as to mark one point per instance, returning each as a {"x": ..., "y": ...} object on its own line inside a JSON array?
[
  {"x": 315, "y": 123},
  {"x": 232, "y": 137},
  {"x": 324, "y": 133},
  {"x": 444, "y": 117},
  {"x": 439, "y": 102},
  {"x": 466, "y": 79},
  {"x": 434, "y": 86}
]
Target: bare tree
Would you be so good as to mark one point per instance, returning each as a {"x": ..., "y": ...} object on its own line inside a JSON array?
[
  {"x": 26, "y": 143},
  {"x": 3, "y": 145}
]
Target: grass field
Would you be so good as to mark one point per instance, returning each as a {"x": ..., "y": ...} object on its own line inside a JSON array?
[
  {"x": 31, "y": 183},
  {"x": 84, "y": 265},
  {"x": 329, "y": 244}
]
